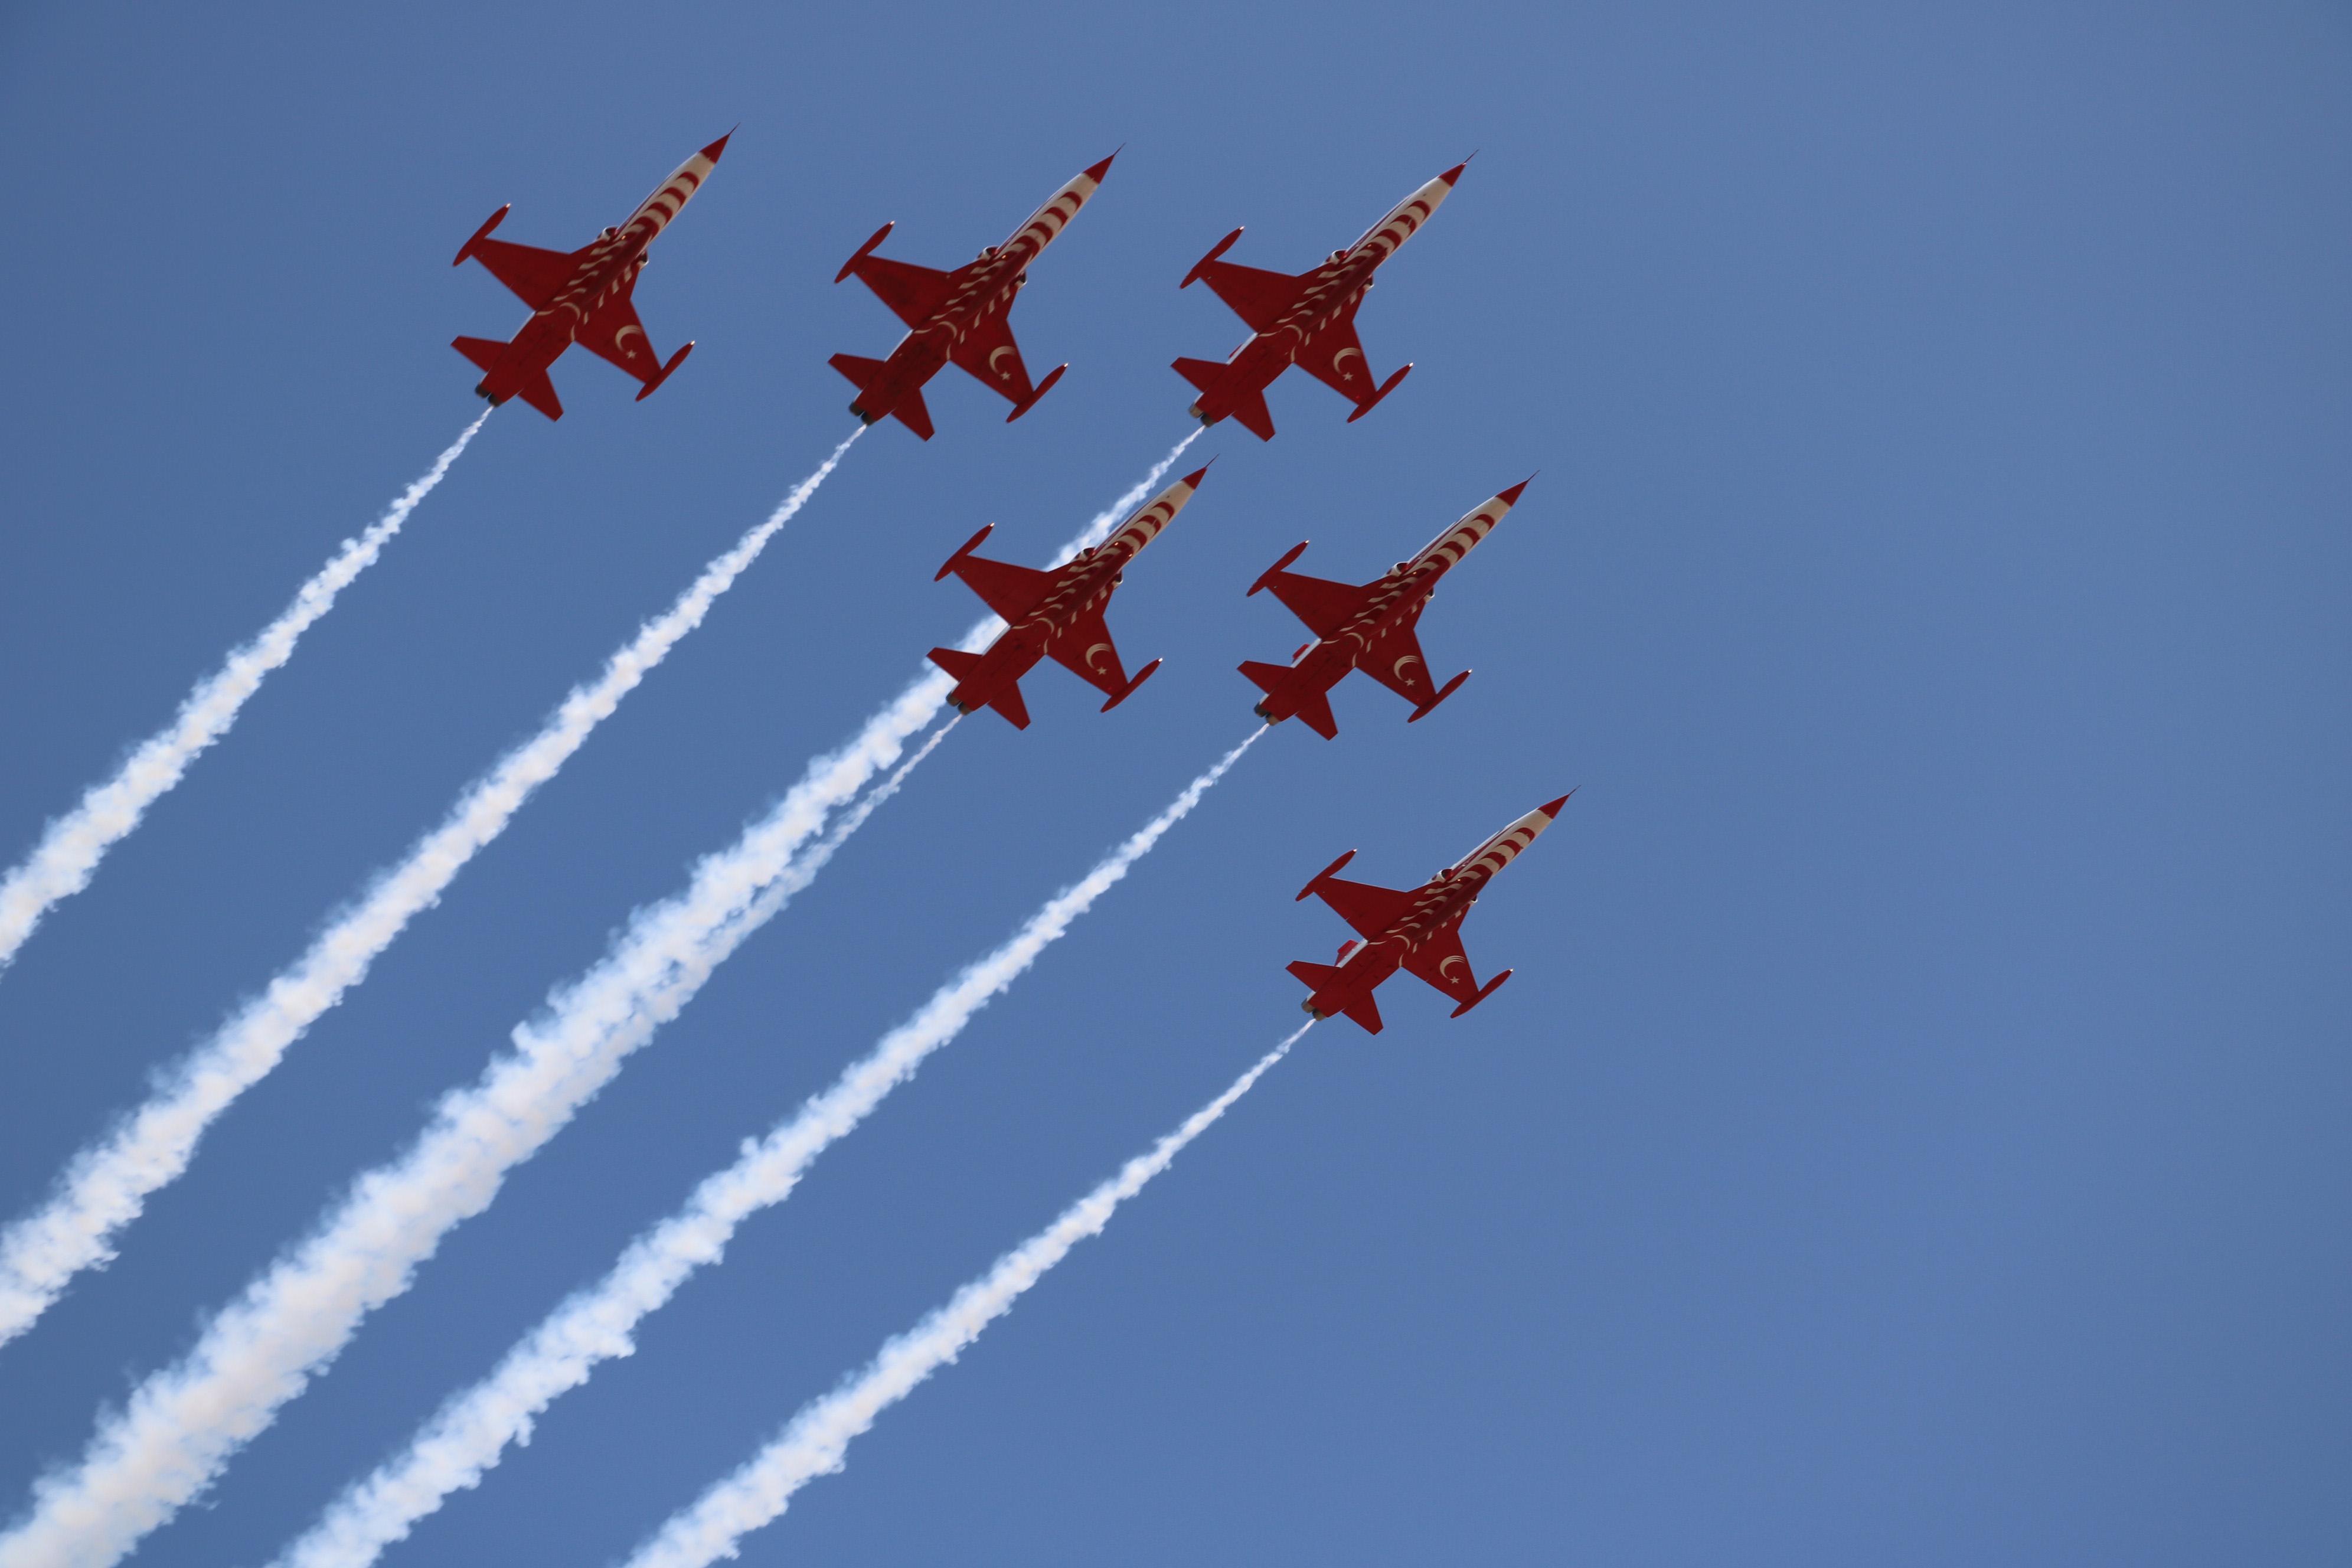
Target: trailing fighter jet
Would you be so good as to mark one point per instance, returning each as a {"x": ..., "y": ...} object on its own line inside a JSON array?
[
  {"x": 1371, "y": 629},
  {"x": 581, "y": 297},
  {"x": 1418, "y": 930},
  {"x": 958, "y": 317},
  {"x": 1055, "y": 614},
  {"x": 1308, "y": 320}
]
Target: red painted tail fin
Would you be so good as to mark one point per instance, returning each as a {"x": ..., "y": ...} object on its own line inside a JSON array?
[
  {"x": 911, "y": 412},
  {"x": 1203, "y": 373},
  {"x": 1254, "y": 417},
  {"x": 483, "y": 352},
  {"x": 540, "y": 393},
  {"x": 1362, "y": 1010},
  {"x": 1262, "y": 675},
  {"x": 955, "y": 662}
]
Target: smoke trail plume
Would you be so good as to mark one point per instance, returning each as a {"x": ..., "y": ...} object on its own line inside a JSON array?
[
  {"x": 107, "y": 1184},
  {"x": 61, "y": 863},
  {"x": 181, "y": 1426},
  {"x": 472, "y": 1431},
  {"x": 817, "y": 1440}
]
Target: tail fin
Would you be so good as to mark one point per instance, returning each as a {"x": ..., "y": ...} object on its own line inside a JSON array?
[
  {"x": 1312, "y": 708},
  {"x": 540, "y": 393},
  {"x": 912, "y": 414},
  {"x": 861, "y": 374},
  {"x": 1318, "y": 976},
  {"x": 1254, "y": 417},
  {"x": 1203, "y": 373},
  {"x": 483, "y": 352},
  {"x": 961, "y": 664},
  {"x": 955, "y": 662},
  {"x": 1265, "y": 675}
]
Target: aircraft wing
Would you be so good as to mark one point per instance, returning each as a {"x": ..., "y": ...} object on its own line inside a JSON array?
[
  {"x": 1336, "y": 358},
  {"x": 1257, "y": 296},
  {"x": 1011, "y": 591},
  {"x": 1396, "y": 662},
  {"x": 1370, "y": 909},
  {"x": 613, "y": 333},
  {"x": 1084, "y": 649},
  {"x": 533, "y": 274},
  {"x": 1323, "y": 604},
  {"x": 990, "y": 356},
  {"x": 913, "y": 293},
  {"x": 1441, "y": 962}
]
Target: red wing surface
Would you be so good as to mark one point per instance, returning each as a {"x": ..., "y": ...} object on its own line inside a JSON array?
[
  {"x": 1441, "y": 962},
  {"x": 1323, "y": 604},
  {"x": 1370, "y": 909},
  {"x": 1084, "y": 649},
  {"x": 1394, "y": 661},
  {"x": 990, "y": 357},
  {"x": 615, "y": 333},
  {"x": 913, "y": 293},
  {"x": 533, "y": 274},
  {"x": 1011, "y": 591},
  {"x": 1336, "y": 359},
  {"x": 1257, "y": 296}
]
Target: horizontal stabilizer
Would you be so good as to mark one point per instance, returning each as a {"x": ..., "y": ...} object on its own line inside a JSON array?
[
  {"x": 1203, "y": 373},
  {"x": 1254, "y": 417},
  {"x": 860, "y": 372},
  {"x": 1264, "y": 676},
  {"x": 955, "y": 662},
  {"x": 1314, "y": 712},
  {"x": 483, "y": 352},
  {"x": 913, "y": 413},
  {"x": 540, "y": 393},
  {"x": 1362, "y": 1009}
]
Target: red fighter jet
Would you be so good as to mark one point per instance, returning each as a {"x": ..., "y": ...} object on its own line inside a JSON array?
[
  {"x": 959, "y": 317},
  {"x": 1307, "y": 321},
  {"x": 1418, "y": 930},
  {"x": 1371, "y": 629},
  {"x": 1055, "y": 614},
  {"x": 579, "y": 297}
]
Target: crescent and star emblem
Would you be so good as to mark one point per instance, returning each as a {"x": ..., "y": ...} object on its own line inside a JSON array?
[
  {"x": 621, "y": 338},
  {"x": 1099, "y": 647},
  {"x": 1450, "y": 961},
  {"x": 1001, "y": 374},
  {"x": 1339, "y": 362},
  {"x": 1397, "y": 668}
]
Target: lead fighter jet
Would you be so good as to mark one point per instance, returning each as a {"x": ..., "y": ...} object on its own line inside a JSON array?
[
  {"x": 1371, "y": 629},
  {"x": 1308, "y": 320},
  {"x": 580, "y": 296},
  {"x": 958, "y": 317},
  {"x": 1418, "y": 930},
  {"x": 1055, "y": 614}
]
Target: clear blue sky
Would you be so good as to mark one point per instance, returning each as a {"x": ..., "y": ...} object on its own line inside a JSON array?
[{"x": 1916, "y": 1132}]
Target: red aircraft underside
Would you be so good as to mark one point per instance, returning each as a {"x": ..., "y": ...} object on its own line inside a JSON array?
[
  {"x": 1307, "y": 319},
  {"x": 583, "y": 296},
  {"x": 1417, "y": 929},
  {"x": 959, "y": 317}
]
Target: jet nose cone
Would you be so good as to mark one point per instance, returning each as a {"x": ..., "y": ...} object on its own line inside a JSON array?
[
  {"x": 1453, "y": 174},
  {"x": 1511, "y": 498},
  {"x": 1551, "y": 808},
  {"x": 717, "y": 147},
  {"x": 1097, "y": 172},
  {"x": 1193, "y": 481}
]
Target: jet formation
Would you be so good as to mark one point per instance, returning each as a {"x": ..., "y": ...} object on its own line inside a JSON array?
[{"x": 962, "y": 317}]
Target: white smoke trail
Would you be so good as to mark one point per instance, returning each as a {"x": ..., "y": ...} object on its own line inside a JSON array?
[
  {"x": 817, "y": 1440},
  {"x": 472, "y": 1431},
  {"x": 62, "y": 862},
  {"x": 181, "y": 1426},
  {"x": 106, "y": 1186}
]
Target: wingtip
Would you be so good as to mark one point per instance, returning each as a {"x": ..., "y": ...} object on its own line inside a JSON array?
[{"x": 1551, "y": 808}]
